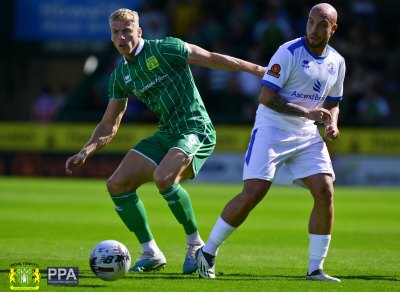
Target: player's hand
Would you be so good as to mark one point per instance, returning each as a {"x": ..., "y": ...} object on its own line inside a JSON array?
[
  {"x": 320, "y": 115},
  {"x": 331, "y": 132},
  {"x": 74, "y": 162}
]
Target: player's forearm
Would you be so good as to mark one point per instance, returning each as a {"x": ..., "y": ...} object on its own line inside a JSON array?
[
  {"x": 229, "y": 63},
  {"x": 101, "y": 136},
  {"x": 335, "y": 115},
  {"x": 333, "y": 107},
  {"x": 201, "y": 57},
  {"x": 281, "y": 105}
]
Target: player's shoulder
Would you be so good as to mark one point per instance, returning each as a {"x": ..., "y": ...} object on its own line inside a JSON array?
[
  {"x": 165, "y": 41},
  {"x": 290, "y": 47},
  {"x": 117, "y": 66},
  {"x": 336, "y": 53}
]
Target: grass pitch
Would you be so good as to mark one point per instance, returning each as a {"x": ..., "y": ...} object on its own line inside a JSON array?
[{"x": 56, "y": 222}]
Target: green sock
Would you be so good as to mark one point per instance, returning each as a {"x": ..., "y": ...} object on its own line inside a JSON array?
[
  {"x": 132, "y": 212},
  {"x": 181, "y": 206}
]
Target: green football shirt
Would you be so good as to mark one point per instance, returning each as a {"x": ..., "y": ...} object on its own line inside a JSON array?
[{"x": 160, "y": 77}]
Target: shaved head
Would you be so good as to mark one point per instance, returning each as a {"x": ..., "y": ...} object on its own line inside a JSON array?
[
  {"x": 325, "y": 10},
  {"x": 321, "y": 25}
]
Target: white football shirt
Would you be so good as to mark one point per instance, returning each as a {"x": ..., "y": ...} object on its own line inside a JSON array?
[{"x": 304, "y": 79}]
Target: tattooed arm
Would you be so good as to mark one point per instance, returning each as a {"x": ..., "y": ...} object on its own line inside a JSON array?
[{"x": 278, "y": 103}]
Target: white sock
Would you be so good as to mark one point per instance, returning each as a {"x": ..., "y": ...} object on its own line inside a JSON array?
[
  {"x": 194, "y": 238},
  {"x": 319, "y": 245},
  {"x": 150, "y": 247},
  {"x": 219, "y": 234}
]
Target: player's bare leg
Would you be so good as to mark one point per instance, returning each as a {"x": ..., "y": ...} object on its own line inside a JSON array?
[
  {"x": 233, "y": 215},
  {"x": 320, "y": 224},
  {"x": 175, "y": 167},
  {"x": 237, "y": 210},
  {"x": 133, "y": 171}
]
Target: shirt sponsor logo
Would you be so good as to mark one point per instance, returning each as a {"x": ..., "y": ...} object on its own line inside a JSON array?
[
  {"x": 274, "y": 71},
  {"x": 317, "y": 86},
  {"x": 151, "y": 84},
  {"x": 314, "y": 96}
]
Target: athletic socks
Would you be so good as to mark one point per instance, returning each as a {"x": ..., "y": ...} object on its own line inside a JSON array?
[
  {"x": 180, "y": 204},
  {"x": 319, "y": 245},
  {"x": 194, "y": 239},
  {"x": 219, "y": 234},
  {"x": 151, "y": 247},
  {"x": 132, "y": 212}
]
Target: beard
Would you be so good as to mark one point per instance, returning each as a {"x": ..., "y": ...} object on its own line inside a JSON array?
[{"x": 316, "y": 42}]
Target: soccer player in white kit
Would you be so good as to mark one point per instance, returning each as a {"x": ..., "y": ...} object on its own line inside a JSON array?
[{"x": 303, "y": 84}]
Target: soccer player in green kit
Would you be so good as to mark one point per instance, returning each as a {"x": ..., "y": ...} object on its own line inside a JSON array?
[{"x": 157, "y": 72}]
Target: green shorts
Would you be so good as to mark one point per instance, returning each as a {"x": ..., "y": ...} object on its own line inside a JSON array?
[{"x": 200, "y": 146}]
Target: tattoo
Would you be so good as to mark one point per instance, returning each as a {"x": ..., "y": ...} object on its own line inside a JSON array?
[{"x": 281, "y": 105}]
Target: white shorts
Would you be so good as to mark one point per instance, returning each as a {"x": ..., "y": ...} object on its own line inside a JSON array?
[{"x": 302, "y": 154}]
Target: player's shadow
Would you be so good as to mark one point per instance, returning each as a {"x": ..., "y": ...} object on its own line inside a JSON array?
[
  {"x": 372, "y": 278},
  {"x": 220, "y": 276},
  {"x": 88, "y": 286},
  {"x": 250, "y": 277}
]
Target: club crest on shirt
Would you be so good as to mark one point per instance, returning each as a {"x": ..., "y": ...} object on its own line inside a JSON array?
[
  {"x": 331, "y": 68},
  {"x": 275, "y": 70},
  {"x": 152, "y": 63}
]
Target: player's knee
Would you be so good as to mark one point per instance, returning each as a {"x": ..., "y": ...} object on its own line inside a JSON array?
[
  {"x": 114, "y": 187},
  {"x": 162, "y": 181},
  {"x": 254, "y": 191},
  {"x": 324, "y": 196},
  {"x": 253, "y": 196}
]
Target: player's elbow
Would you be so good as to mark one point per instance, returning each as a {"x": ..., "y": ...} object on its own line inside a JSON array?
[{"x": 264, "y": 100}]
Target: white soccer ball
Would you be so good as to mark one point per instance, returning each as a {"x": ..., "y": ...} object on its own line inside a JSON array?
[{"x": 110, "y": 260}]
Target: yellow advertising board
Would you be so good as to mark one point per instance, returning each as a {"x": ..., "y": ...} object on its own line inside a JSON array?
[
  {"x": 66, "y": 138},
  {"x": 371, "y": 141}
]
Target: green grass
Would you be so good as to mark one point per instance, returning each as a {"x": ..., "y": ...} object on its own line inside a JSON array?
[{"x": 56, "y": 222}]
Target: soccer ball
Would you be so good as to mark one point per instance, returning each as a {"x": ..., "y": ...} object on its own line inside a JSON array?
[{"x": 110, "y": 260}]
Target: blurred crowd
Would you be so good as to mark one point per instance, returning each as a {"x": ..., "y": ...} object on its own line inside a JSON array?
[{"x": 368, "y": 38}]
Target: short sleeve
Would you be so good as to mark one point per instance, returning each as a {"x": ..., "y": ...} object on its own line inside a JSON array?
[
  {"x": 278, "y": 69},
  {"x": 336, "y": 92},
  {"x": 115, "y": 90},
  {"x": 174, "y": 50}
]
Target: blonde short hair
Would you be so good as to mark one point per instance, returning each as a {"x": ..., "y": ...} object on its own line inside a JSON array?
[{"x": 124, "y": 14}]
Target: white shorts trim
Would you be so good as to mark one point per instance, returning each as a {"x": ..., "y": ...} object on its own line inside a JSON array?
[{"x": 148, "y": 158}]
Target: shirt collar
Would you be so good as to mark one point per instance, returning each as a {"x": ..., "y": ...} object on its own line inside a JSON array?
[{"x": 138, "y": 50}]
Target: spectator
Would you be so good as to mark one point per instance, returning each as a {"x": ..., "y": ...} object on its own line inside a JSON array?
[
  {"x": 153, "y": 22},
  {"x": 372, "y": 108},
  {"x": 273, "y": 28},
  {"x": 44, "y": 108},
  {"x": 61, "y": 97}
]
